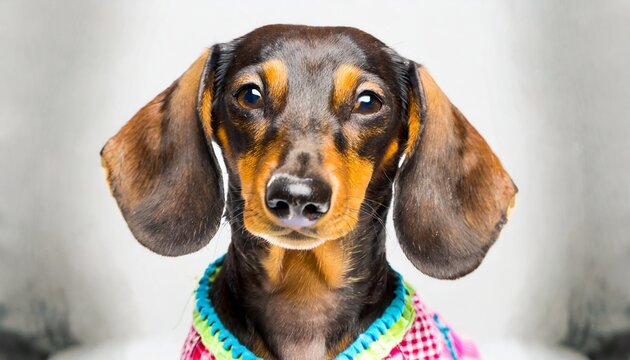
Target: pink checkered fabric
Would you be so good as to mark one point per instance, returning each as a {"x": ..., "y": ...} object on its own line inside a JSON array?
[
  {"x": 423, "y": 341},
  {"x": 194, "y": 349}
]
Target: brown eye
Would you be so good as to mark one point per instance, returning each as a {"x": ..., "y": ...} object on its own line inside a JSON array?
[
  {"x": 250, "y": 97},
  {"x": 367, "y": 103}
]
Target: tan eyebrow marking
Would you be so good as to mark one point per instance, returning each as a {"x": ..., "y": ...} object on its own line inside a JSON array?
[
  {"x": 345, "y": 80},
  {"x": 275, "y": 74}
]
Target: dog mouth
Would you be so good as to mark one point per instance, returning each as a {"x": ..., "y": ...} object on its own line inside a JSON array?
[
  {"x": 293, "y": 240},
  {"x": 299, "y": 234}
]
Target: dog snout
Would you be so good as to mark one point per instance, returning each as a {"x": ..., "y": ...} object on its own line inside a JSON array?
[{"x": 297, "y": 201}]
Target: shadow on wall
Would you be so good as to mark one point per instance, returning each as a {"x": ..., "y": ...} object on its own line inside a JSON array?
[
  {"x": 53, "y": 335},
  {"x": 585, "y": 58},
  {"x": 38, "y": 71},
  {"x": 612, "y": 347},
  {"x": 16, "y": 347}
]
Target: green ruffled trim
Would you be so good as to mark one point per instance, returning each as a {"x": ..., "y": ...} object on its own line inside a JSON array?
[
  {"x": 211, "y": 342},
  {"x": 384, "y": 345}
]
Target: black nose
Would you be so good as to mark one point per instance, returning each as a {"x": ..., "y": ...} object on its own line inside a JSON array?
[{"x": 297, "y": 201}]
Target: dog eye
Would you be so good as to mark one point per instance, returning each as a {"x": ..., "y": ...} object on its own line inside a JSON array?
[
  {"x": 367, "y": 103},
  {"x": 250, "y": 97}
]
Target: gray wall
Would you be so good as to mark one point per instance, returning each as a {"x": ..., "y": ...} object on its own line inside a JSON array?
[{"x": 545, "y": 82}]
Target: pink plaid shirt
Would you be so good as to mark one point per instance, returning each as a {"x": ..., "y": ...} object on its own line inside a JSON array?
[{"x": 427, "y": 339}]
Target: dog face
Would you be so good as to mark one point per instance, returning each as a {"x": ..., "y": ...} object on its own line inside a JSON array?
[
  {"x": 303, "y": 116},
  {"x": 312, "y": 123}
]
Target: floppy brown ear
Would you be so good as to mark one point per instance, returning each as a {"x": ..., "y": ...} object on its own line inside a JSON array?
[
  {"x": 163, "y": 172},
  {"x": 452, "y": 194}
]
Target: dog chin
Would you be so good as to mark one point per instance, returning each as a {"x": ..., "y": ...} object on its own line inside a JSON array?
[{"x": 290, "y": 244}]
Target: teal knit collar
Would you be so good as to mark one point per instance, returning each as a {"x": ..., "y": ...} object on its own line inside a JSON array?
[{"x": 376, "y": 342}]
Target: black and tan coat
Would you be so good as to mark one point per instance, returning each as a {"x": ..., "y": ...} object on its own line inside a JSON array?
[{"x": 337, "y": 110}]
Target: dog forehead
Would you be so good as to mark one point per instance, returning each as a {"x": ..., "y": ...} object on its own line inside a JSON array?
[
  {"x": 311, "y": 50},
  {"x": 316, "y": 53},
  {"x": 311, "y": 65}
]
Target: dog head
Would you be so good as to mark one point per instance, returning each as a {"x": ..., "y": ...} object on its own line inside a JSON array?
[{"x": 313, "y": 123}]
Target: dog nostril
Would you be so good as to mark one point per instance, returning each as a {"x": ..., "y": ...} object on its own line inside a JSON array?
[
  {"x": 279, "y": 207},
  {"x": 278, "y": 204},
  {"x": 314, "y": 211}
]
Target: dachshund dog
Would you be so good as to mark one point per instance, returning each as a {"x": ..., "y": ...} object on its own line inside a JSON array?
[{"x": 320, "y": 128}]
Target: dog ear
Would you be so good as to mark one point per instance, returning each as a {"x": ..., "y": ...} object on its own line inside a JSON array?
[
  {"x": 452, "y": 195},
  {"x": 162, "y": 170}
]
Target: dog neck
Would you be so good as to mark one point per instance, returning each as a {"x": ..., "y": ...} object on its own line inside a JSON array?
[{"x": 281, "y": 302}]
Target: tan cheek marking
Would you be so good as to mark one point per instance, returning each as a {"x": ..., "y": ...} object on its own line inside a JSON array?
[
  {"x": 345, "y": 81},
  {"x": 255, "y": 169},
  {"x": 390, "y": 153},
  {"x": 206, "y": 110},
  {"x": 247, "y": 166},
  {"x": 225, "y": 144},
  {"x": 414, "y": 125},
  {"x": 246, "y": 169},
  {"x": 359, "y": 175},
  {"x": 275, "y": 74},
  {"x": 252, "y": 215},
  {"x": 350, "y": 176},
  {"x": 334, "y": 167}
]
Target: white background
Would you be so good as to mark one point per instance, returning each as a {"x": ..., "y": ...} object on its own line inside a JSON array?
[{"x": 547, "y": 83}]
